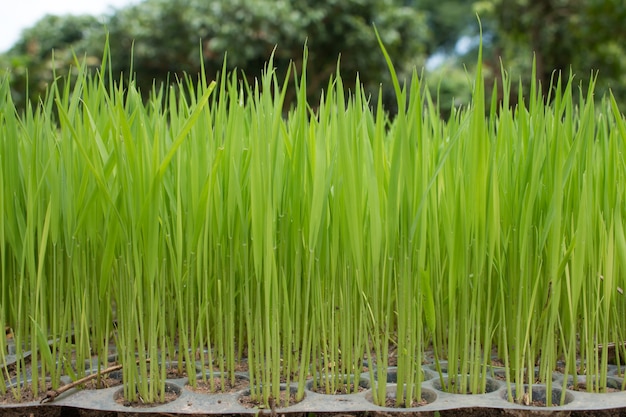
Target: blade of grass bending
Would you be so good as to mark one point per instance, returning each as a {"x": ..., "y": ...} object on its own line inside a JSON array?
[{"x": 182, "y": 135}]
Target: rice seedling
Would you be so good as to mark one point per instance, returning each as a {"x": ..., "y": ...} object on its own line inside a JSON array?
[{"x": 214, "y": 225}]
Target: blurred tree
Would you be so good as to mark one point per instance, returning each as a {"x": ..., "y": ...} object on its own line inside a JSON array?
[
  {"x": 47, "y": 47},
  {"x": 170, "y": 37},
  {"x": 166, "y": 36},
  {"x": 447, "y": 21},
  {"x": 581, "y": 35}
]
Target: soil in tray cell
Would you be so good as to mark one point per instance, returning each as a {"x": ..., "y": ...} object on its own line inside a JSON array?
[
  {"x": 340, "y": 387},
  {"x": 612, "y": 385},
  {"x": 538, "y": 398},
  {"x": 26, "y": 395},
  {"x": 104, "y": 382},
  {"x": 172, "y": 392},
  {"x": 427, "y": 397},
  {"x": 205, "y": 387},
  {"x": 286, "y": 399}
]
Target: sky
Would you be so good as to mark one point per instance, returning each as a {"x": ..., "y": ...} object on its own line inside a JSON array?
[{"x": 18, "y": 15}]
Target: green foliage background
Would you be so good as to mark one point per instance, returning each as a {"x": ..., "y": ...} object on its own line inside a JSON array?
[{"x": 168, "y": 38}]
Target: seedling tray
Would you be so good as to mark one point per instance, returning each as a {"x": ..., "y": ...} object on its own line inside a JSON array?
[{"x": 102, "y": 402}]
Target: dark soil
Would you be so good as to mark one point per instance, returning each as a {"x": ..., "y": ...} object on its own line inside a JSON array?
[
  {"x": 175, "y": 373},
  {"x": 286, "y": 399},
  {"x": 497, "y": 362},
  {"x": 105, "y": 382},
  {"x": 204, "y": 387},
  {"x": 27, "y": 396},
  {"x": 32, "y": 411},
  {"x": 391, "y": 402},
  {"x": 241, "y": 366},
  {"x": 492, "y": 412},
  {"x": 139, "y": 403},
  {"x": 582, "y": 387},
  {"x": 12, "y": 368}
]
